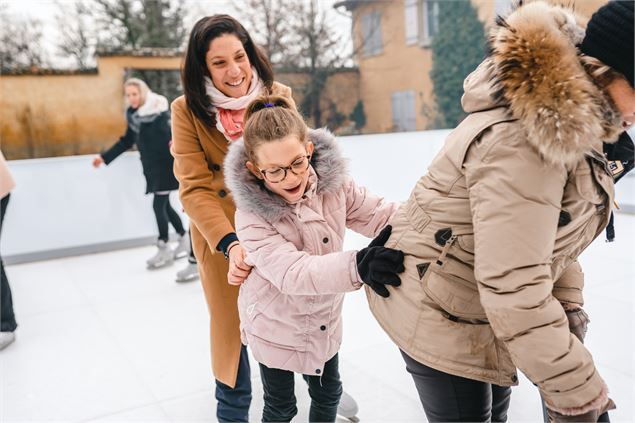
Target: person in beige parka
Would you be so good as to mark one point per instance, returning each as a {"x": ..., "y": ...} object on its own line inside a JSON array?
[{"x": 492, "y": 233}]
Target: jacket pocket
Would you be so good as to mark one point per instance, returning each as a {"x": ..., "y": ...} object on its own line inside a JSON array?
[
  {"x": 452, "y": 295},
  {"x": 417, "y": 217},
  {"x": 586, "y": 186},
  {"x": 276, "y": 343},
  {"x": 451, "y": 284}
]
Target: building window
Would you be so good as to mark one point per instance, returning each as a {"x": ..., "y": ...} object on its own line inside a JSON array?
[
  {"x": 421, "y": 21},
  {"x": 412, "y": 21},
  {"x": 371, "y": 34},
  {"x": 403, "y": 111},
  {"x": 430, "y": 17}
]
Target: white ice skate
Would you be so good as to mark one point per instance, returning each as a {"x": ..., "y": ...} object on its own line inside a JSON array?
[
  {"x": 188, "y": 273},
  {"x": 163, "y": 257},
  {"x": 348, "y": 407},
  {"x": 182, "y": 247},
  {"x": 6, "y": 339}
]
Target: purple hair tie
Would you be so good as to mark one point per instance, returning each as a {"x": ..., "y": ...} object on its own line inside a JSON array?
[{"x": 269, "y": 105}]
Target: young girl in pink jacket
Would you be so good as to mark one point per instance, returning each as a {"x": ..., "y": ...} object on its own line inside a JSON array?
[{"x": 294, "y": 202}]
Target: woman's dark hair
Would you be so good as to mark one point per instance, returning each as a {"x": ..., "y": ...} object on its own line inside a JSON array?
[{"x": 194, "y": 68}]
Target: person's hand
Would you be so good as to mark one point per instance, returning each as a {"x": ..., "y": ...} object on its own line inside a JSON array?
[
  {"x": 98, "y": 161},
  {"x": 378, "y": 266},
  {"x": 578, "y": 322},
  {"x": 238, "y": 270}
]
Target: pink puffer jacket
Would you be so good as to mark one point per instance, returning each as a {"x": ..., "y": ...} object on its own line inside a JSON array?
[{"x": 291, "y": 304}]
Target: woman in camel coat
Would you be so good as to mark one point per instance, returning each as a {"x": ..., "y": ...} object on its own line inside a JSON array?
[{"x": 222, "y": 72}]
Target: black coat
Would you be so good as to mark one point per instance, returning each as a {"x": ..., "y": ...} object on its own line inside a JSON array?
[{"x": 153, "y": 143}]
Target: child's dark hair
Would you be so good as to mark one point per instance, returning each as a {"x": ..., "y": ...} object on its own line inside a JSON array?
[{"x": 271, "y": 118}]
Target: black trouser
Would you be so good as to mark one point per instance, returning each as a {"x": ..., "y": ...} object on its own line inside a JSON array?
[
  {"x": 280, "y": 403},
  {"x": 233, "y": 403},
  {"x": 7, "y": 317},
  {"x": 449, "y": 398},
  {"x": 164, "y": 212}
]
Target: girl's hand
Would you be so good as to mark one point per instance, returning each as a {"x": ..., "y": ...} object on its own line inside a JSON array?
[
  {"x": 238, "y": 270},
  {"x": 97, "y": 161}
]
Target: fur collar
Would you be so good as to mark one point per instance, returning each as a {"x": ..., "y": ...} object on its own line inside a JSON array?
[
  {"x": 537, "y": 72},
  {"x": 249, "y": 192}
]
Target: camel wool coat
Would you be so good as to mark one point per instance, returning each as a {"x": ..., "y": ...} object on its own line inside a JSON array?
[{"x": 199, "y": 152}]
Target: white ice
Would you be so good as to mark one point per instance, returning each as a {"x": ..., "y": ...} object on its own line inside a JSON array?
[{"x": 100, "y": 338}]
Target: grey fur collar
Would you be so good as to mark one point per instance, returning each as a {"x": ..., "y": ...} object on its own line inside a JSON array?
[{"x": 249, "y": 193}]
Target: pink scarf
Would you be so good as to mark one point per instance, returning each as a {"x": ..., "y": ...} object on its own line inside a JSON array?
[
  {"x": 230, "y": 111},
  {"x": 231, "y": 122}
]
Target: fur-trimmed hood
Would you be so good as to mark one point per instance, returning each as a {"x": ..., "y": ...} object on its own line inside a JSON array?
[
  {"x": 249, "y": 192},
  {"x": 534, "y": 69}
]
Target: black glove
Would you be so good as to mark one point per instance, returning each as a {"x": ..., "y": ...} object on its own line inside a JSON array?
[{"x": 378, "y": 266}]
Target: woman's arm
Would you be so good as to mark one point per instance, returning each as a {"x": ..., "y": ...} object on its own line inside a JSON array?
[
  {"x": 515, "y": 203},
  {"x": 124, "y": 143},
  {"x": 292, "y": 271},
  {"x": 568, "y": 288},
  {"x": 200, "y": 202}
]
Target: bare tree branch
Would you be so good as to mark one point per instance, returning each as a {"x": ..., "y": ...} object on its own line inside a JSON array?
[
  {"x": 20, "y": 42},
  {"x": 77, "y": 40}
]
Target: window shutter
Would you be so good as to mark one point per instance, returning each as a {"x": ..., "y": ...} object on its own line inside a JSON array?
[
  {"x": 411, "y": 21},
  {"x": 409, "y": 112},
  {"x": 397, "y": 114},
  {"x": 376, "y": 32},
  {"x": 366, "y": 34}
]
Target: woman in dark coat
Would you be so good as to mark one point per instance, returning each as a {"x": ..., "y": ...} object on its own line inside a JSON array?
[{"x": 148, "y": 118}]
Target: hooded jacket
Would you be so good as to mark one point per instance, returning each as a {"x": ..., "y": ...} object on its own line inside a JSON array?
[
  {"x": 492, "y": 232},
  {"x": 290, "y": 305},
  {"x": 149, "y": 128}
]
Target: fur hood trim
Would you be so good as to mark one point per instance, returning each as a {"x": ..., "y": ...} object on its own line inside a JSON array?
[
  {"x": 537, "y": 72},
  {"x": 249, "y": 192}
]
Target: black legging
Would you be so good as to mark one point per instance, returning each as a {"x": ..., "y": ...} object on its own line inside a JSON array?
[
  {"x": 192, "y": 257},
  {"x": 7, "y": 317},
  {"x": 164, "y": 212},
  {"x": 449, "y": 398}
]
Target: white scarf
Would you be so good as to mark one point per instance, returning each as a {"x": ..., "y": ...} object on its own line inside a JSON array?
[
  {"x": 154, "y": 105},
  {"x": 220, "y": 100}
]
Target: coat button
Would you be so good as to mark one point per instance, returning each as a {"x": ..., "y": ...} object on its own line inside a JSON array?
[
  {"x": 322, "y": 327},
  {"x": 216, "y": 167},
  {"x": 514, "y": 378},
  {"x": 325, "y": 240},
  {"x": 318, "y": 371},
  {"x": 222, "y": 193}
]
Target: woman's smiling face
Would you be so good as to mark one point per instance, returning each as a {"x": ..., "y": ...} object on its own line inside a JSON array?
[{"x": 228, "y": 65}]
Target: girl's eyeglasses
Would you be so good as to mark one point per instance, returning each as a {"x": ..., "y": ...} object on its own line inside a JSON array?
[{"x": 278, "y": 174}]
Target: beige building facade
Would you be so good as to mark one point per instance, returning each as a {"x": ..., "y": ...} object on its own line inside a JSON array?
[
  {"x": 392, "y": 40},
  {"x": 60, "y": 113},
  {"x": 46, "y": 113}
]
